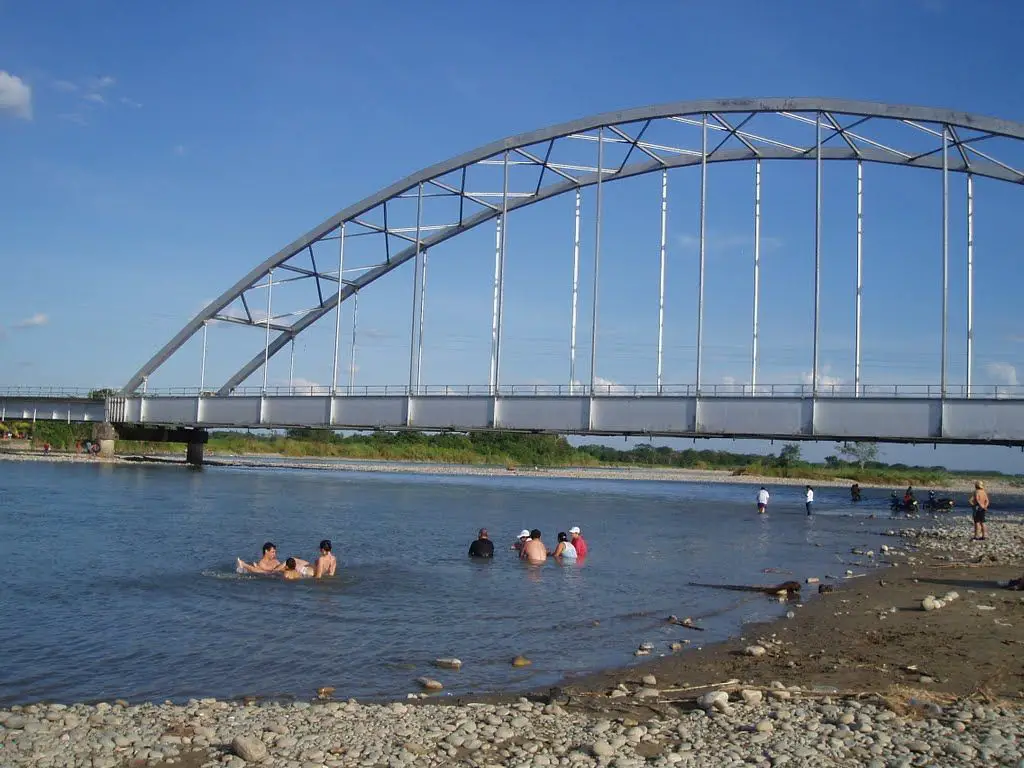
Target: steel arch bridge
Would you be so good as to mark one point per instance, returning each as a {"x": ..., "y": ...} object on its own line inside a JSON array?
[{"x": 490, "y": 182}]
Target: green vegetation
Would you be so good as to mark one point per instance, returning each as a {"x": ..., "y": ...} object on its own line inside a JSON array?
[
  {"x": 506, "y": 448},
  {"x": 513, "y": 449}
]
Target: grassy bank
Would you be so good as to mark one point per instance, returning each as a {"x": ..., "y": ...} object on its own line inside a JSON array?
[
  {"x": 511, "y": 449},
  {"x": 867, "y": 475}
]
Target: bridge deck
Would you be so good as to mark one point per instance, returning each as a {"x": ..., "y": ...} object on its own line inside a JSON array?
[{"x": 795, "y": 417}]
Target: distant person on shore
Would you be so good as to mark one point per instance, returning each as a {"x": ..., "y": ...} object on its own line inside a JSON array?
[
  {"x": 576, "y": 539},
  {"x": 534, "y": 550},
  {"x": 268, "y": 563},
  {"x": 326, "y": 563},
  {"x": 762, "y": 501},
  {"x": 564, "y": 549},
  {"x": 520, "y": 542},
  {"x": 483, "y": 546},
  {"x": 855, "y": 492},
  {"x": 809, "y": 499},
  {"x": 979, "y": 503}
]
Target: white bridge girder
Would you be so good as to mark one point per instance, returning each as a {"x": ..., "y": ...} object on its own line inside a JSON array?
[{"x": 883, "y": 419}]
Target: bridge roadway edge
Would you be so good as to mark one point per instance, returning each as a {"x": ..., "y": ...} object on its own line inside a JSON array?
[
  {"x": 980, "y": 421},
  {"x": 897, "y": 419}
]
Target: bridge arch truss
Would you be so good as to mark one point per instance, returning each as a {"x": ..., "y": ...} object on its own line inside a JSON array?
[{"x": 491, "y": 182}]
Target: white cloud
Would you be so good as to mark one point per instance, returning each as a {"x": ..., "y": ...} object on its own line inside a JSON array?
[
  {"x": 1002, "y": 373},
  {"x": 15, "y": 96},
  {"x": 104, "y": 81},
  {"x": 825, "y": 378},
  {"x": 609, "y": 387},
  {"x": 95, "y": 98},
  {"x": 180, "y": 150},
  {"x": 32, "y": 322},
  {"x": 130, "y": 102},
  {"x": 308, "y": 385},
  {"x": 65, "y": 85}
]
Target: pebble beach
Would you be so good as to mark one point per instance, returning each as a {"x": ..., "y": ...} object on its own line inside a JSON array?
[{"x": 750, "y": 727}]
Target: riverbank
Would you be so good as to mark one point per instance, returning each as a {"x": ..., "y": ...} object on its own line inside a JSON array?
[
  {"x": 860, "y": 676},
  {"x": 661, "y": 474}
]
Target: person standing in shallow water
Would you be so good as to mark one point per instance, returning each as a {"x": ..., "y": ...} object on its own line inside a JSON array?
[
  {"x": 809, "y": 499},
  {"x": 483, "y": 546},
  {"x": 564, "y": 549},
  {"x": 534, "y": 550},
  {"x": 326, "y": 563},
  {"x": 576, "y": 539},
  {"x": 979, "y": 504},
  {"x": 762, "y": 501}
]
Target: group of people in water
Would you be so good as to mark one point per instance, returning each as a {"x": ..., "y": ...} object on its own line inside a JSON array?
[
  {"x": 531, "y": 548},
  {"x": 978, "y": 503},
  {"x": 325, "y": 564},
  {"x": 763, "y": 497}
]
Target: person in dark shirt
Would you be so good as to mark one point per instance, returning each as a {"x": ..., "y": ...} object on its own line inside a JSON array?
[{"x": 483, "y": 546}]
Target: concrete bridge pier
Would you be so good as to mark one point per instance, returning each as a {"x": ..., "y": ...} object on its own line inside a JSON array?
[
  {"x": 194, "y": 451},
  {"x": 106, "y": 436}
]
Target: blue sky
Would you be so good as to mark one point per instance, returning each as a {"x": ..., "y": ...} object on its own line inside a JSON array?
[{"x": 152, "y": 154}]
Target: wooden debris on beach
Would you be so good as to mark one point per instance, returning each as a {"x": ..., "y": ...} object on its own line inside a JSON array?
[
  {"x": 521, "y": 661},
  {"x": 785, "y": 588},
  {"x": 325, "y": 692}
]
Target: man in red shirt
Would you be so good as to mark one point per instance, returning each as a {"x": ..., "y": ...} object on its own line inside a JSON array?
[{"x": 578, "y": 542}]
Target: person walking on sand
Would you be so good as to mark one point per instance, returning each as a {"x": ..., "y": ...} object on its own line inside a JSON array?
[
  {"x": 979, "y": 503},
  {"x": 762, "y": 501},
  {"x": 809, "y": 499}
]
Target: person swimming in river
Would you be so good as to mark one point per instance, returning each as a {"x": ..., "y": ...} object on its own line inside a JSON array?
[
  {"x": 295, "y": 568},
  {"x": 268, "y": 562},
  {"x": 326, "y": 563}
]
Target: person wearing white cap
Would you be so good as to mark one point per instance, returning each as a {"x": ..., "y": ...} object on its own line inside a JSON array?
[
  {"x": 517, "y": 545},
  {"x": 577, "y": 541}
]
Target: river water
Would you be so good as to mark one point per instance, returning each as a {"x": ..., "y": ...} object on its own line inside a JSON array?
[{"x": 120, "y": 579}]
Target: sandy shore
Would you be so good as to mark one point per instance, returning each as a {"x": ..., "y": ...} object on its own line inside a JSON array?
[{"x": 964, "y": 485}]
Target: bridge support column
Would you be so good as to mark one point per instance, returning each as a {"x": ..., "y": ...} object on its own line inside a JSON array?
[
  {"x": 194, "y": 453},
  {"x": 106, "y": 436}
]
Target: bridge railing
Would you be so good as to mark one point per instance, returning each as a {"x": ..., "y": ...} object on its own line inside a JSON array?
[
  {"x": 87, "y": 393},
  {"x": 929, "y": 391}
]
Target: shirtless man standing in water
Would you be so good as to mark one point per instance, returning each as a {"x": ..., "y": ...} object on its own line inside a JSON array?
[
  {"x": 327, "y": 563},
  {"x": 534, "y": 550},
  {"x": 266, "y": 564}
]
